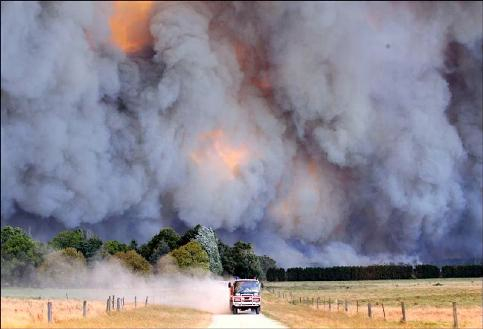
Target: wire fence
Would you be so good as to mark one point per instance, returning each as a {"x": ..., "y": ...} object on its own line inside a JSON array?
[{"x": 370, "y": 308}]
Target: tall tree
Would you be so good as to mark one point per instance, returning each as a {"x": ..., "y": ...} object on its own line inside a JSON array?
[
  {"x": 208, "y": 240},
  {"x": 85, "y": 242},
  {"x": 162, "y": 243},
  {"x": 206, "y": 237},
  {"x": 20, "y": 254},
  {"x": 247, "y": 264},
  {"x": 189, "y": 235},
  {"x": 112, "y": 247},
  {"x": 227, "y": 258},
  {"x": 266, "y": 263}
]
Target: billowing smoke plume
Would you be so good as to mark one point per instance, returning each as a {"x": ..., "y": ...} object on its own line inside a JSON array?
[{"x": 327, "y": 132}]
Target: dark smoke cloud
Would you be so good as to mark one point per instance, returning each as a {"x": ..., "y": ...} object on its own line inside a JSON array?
[{"x": 324, "y": 132}]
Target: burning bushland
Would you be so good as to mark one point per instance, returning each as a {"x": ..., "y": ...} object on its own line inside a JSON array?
[{"x": 339, "y": 133}]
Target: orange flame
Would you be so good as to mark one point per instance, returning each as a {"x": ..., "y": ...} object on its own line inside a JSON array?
[
  {"x": 218, "y": 149},
  {"x": 130, "y": 25}
]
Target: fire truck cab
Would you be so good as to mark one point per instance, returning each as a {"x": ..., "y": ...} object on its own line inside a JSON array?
[{"x": 245, "y": 294}]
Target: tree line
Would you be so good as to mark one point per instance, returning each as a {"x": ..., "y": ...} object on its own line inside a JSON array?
[
  {"x": 373, "y": 272},
  {"x": 23, "y": 259}
]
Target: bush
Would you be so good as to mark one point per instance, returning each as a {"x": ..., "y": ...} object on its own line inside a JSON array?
[
  {"x": 134, "y": 261},
  {"x": 167, "y": 265},
  {"x": 63, "y": 267},
  {"x": 191, "y": 255},
  {"x": 19, "y": 256}
]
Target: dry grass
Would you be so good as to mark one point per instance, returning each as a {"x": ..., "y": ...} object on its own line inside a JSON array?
[
  {"x": 28, "y": 313},
  {"x": 25, "y": 312},
  {"x": 428, "y": 304}
]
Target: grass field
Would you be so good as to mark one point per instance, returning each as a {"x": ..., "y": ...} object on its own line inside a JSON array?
[
  {"x": 32, "y": 313},
  {"x": 428, "y": 303}
]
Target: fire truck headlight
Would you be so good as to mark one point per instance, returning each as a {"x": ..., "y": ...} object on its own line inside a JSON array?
[{"x": 237, "y": 299}]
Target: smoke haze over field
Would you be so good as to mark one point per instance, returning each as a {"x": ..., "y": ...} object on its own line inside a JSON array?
[
  {"x": 106, "y": 278},
  {"x": 331, "y": 133}
]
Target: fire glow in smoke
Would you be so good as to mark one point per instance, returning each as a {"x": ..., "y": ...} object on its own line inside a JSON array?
[
  {"x": 336, "y": 133},
  {"x": 130, "y": 24},
  {"x": 219, "y": 150}
]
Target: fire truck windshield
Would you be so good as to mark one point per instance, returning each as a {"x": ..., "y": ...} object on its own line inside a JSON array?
[{"x": 247, "y": 287}]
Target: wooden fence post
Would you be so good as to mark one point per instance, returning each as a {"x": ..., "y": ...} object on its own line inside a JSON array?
[
  {"x": 383, "y": 311},
  {"x": 455, "y": 316},
  {"x": 403, "y": 310},
  {"x": 337, "y": 305},
  {"x": 135, "y": 302},
  {"x": 318, "y": 302},
  {"x": 118, "y": 304},
  {"x": 108, "y": 304},
  {"x": 329, "y": 305},
  {"x": 122, "y": 302},
  {"x": 146, "y": 302},
  {"x": 346, "y": 307},
  {"x": 84, "y": 309},
  {"x": 300, "y": 300},
  {"x": 113, "y": 302},
  {"x": 357, "y": 306},
  {"x": 369, "y": 310},
  {"x": 49, "y": 312}
]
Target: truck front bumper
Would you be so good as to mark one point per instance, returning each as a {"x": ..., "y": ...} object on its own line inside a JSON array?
[{"x": 246, "y": 304}]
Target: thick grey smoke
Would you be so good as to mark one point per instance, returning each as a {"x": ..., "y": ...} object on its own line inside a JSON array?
[{"x": 333, "y": 133}]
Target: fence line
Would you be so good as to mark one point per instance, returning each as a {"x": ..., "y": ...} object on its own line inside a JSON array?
[
  {"x": 315, "y": 303},
  {"x": 111, "y": 304}
]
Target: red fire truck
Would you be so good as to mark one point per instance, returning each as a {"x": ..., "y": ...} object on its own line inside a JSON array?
[{"x": 244, "y": 295}]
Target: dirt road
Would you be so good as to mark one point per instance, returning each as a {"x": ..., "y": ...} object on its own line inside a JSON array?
[{"x": 244, "y": 320}]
